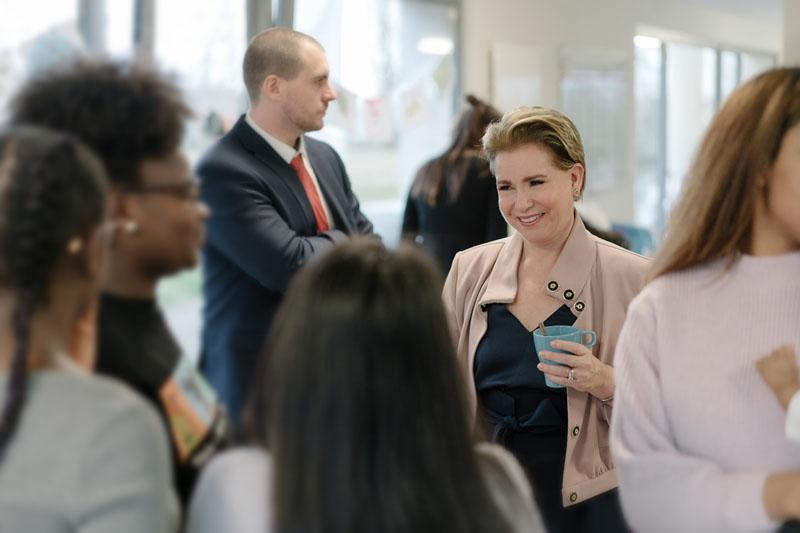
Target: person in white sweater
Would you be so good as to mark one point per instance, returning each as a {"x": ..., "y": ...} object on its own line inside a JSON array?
[
  {"x": 78, "y": 453},
  {"x": 360, "y": 419},
  {"x": 697, "y": 437}
]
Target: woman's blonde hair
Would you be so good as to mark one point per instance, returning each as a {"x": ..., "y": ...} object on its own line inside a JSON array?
[
  {"x": 536, "y": 125},
  {"x": 714, "y": 217}
]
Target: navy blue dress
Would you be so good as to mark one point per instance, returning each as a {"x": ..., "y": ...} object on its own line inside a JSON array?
[{"x": 530, "y": 420}]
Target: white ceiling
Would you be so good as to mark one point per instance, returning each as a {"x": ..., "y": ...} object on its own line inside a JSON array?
[{"x": 767, "y": 10}]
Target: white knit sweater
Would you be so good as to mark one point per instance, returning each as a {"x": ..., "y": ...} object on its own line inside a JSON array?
[{"x": 695, "y": 431}]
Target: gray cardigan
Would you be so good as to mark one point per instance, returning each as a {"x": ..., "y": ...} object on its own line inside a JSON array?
[
  {"x": 234, "y": 492},
  {"x": 88, "y": 456}
]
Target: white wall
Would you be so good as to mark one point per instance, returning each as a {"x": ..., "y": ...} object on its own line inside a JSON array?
[
  {"x": 791, "y": 32},
  {"x": 610, "y": 24}
]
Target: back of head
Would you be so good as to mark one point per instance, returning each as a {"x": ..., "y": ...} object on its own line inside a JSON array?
[
  {"x": 366, "y": 417},
  {"x": 452, "y": 164},
  {"x": 472, "y": 124},
  {"x": 546, "y": 127},
  {"x": 52, "y": 191},
  {"x": 273, "y": 51},
  {"x": 713, "y": 219},
  {"x": 124, "y": 113}
]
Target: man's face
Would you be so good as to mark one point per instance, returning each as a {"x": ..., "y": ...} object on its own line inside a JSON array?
[
  {"x": 307, "y": 95},
  {"x": 169, "y": 217}
]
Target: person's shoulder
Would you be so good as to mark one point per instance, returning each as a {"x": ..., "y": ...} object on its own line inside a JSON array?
[
  {"x": 478, "y": 260},
  {"x": 624, "y": 258},
  {"x": 482, "y": 253},
  {"x": 227, "y": 152},
  {"x": 509, "y": 487},
  {"x": 118, "y": 408},
  {"x": 493, "y": 457},
  {"x": 691, "y": 280},
  {"x": 245, "y": 461},
  {"x": 102, "y": 396},
  {"x": 232, "y": 493},
  {"x": 425, "y": 169},
  {"x": 319, "y": 147},
  {"x": 110, "y": 416}
]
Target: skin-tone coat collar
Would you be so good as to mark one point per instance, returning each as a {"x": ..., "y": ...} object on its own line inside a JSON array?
[{"x": 565, "y": 281}]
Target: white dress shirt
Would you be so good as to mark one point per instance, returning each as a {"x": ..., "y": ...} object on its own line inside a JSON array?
[{"x": 288, "y": 153}]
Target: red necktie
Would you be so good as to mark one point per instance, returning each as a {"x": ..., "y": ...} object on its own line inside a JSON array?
[{"x": 311, "y": 191}]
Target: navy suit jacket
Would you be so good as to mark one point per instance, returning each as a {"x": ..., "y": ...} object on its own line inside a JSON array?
[{"x": 260, "y": 232}]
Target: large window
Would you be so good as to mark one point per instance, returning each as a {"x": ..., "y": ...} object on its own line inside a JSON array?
[
  {"x": 206, "y": 56},
  {"x": 393, "y": 65},
  {"x": 392, "y": 62},
  {"x": 691, "y": 103},
  {"x": 35, "y": 35},
  {"x": 118, "y": 28},
  {"x": 649, "y": 89},
  {"x": 594, "y": 94},
  {"x": 678, "y": 88}
]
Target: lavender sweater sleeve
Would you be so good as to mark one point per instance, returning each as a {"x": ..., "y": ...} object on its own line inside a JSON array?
[{"x": 663, "y": 488}]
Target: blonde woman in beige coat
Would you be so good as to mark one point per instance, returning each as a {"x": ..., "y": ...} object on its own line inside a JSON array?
[{"x": 551, "y": 270}]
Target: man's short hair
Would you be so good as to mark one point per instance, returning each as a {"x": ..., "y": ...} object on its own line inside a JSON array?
[
  {"x": 273, "y": 51},
  {"x": 126, "y": 113}
]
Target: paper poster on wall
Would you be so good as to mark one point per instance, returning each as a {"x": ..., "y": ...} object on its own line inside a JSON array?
[
  {"x": 414, "y": 103},
  {"x": 341, "y": 113},
  {"x": 377, "y": 124}
]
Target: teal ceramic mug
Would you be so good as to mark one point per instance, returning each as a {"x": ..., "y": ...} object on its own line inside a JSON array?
[{"x": 542, "y": 342}]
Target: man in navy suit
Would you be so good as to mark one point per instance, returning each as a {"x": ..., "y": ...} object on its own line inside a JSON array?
[{"x": 277, "y": 198}]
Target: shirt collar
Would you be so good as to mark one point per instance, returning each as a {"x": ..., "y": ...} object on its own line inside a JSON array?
[
  {"x": 566, "y": 279},
  {"x": 284, "y": 150}
]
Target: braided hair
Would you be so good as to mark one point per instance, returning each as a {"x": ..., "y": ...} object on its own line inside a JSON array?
[{"x": 52, "y": 189}]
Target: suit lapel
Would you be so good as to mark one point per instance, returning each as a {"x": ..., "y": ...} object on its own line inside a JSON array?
[{"x": 276, "y": 166}]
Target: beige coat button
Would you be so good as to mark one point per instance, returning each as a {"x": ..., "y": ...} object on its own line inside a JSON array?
[
  {"x": 568, "y": 294},
  {"x": 573, "y": 497},
  {"x": 576, "y": 431},
  {"x": 553, "y": 286}
]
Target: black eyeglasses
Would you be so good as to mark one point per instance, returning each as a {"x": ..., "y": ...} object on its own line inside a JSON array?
[{"x": 183, "y": 190}]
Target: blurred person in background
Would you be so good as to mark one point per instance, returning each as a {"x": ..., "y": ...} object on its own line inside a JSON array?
[
  {"x": 134, "y": 120},
  {"x": 278, "y": 198},
  {"x": 77, "y": 452},
  {"x": 452, "y": 204},
  {"x": 698, "y": 438}
]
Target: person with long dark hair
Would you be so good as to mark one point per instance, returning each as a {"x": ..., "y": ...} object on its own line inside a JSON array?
[
  {"x": 452, "y": 204},
  {"x": 77, "y": 452},
  {"x": 361, "y": 416}
]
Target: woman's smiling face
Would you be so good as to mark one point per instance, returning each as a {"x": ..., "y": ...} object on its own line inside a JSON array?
[{"x": 535, "y": 196}]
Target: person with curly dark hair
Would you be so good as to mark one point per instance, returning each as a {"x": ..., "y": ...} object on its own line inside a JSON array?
[
  {"x": 134, "y": 120},
  {"x": 77, "y": 452}
]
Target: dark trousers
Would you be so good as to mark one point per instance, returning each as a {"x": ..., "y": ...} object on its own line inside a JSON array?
[{"x": 542, "y": 456}]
